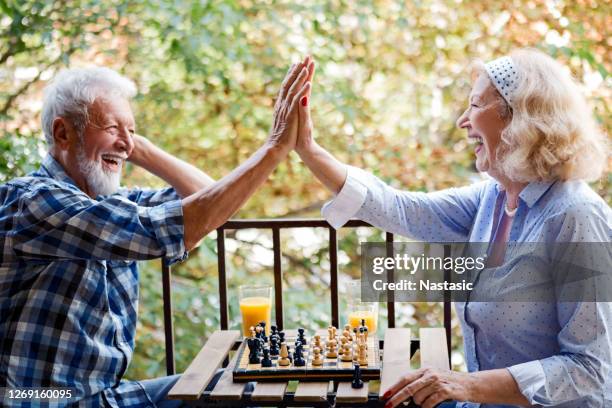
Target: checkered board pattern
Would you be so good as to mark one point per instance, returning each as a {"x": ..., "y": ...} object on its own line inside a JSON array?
[{"x": 332, "y": 368}]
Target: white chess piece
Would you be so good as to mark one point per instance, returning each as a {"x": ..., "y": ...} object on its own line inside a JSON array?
[
  {"x": 363, "y": 357},
  {"x": 284, "y": 355},
  {"x": 347, "y": 354},
  {"x": 317, "y": 360},
  {"x": 332, "y": 351}
]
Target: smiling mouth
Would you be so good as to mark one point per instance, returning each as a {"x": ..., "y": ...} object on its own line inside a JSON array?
[
  {"x": 477, "y": 140},
  {"x": 113, "y": 161}
]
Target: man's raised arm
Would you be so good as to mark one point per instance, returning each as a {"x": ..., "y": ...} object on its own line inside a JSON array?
[
  {"x": 211, "y": 206},
  {"x": 184, "y": 177}
]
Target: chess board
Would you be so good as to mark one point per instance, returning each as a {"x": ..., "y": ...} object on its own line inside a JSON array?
[{"x": 332, "y": 368}]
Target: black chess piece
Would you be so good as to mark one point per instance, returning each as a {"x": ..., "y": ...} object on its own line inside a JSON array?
[
  {"x": 281, "y": 335},
  {"x": 253, "y": 344},
  {"x": 266, "y": 361},
  {"x": 301, "y": 337},
  {"x": 273, "y": 330},
  {"x": 357, "y": 382},
  {"x": 274, "y": 349},
  {"x": 263, "y": 331},
  {"x": 298, "y": 357}
]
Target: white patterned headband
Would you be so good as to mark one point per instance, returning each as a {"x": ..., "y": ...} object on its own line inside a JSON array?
[{"x": 504, "y": 75}]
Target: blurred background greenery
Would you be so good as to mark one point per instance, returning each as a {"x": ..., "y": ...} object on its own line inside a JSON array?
[{"x": 392, "y": 78}]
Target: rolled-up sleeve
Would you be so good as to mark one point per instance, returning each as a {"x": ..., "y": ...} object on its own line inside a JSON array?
[
  {"x": 445, "y": 215},
  {"x": 348, "y": 201},
  {"x": 529, "y": 377},
  {"x": 150, "y": 197}
]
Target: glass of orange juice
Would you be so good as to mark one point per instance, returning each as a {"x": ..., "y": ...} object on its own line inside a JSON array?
[
  {"x": 255, "y": 306},
  {"x": 359, "y": 311}
]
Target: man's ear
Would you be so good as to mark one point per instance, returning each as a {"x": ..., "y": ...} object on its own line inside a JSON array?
[{"x": 62, "y": 133}]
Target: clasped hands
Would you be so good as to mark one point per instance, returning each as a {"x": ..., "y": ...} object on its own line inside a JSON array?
[{"x": 291, "y": 126}]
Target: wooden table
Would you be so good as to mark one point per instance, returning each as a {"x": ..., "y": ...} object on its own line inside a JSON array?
[{"x": 203, "y": 384}]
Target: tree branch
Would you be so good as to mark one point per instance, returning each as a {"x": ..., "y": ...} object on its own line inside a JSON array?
[{"x": 26, "y": 86}]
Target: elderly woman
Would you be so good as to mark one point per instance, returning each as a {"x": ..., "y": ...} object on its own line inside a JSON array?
[{"x": 536, "y": 138}]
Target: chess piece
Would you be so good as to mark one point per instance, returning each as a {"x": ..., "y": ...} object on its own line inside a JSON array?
[
  {"x": 284, "y": 355},
  {"x": 274, "y": 350},
  {"x": 301, "y": 336},
  {"x": 332, "y": 351},
  {"x": 266, "y": 361},
  {"x": 263, "y": 331},
  {"x": 347, "y": 327},
  {"x": 273, "y": 330},
  {"x": 317, "y": 341},
  {"x": 253, "y": 344},
  {"x": 347, "y": 335},
  {"x": 298, "y": 357},
  {"x": 281, "y": 335},
  {"x": 343, "y": 342},
  {"x": 347, "y": 353},
  {"x": 362, "y": 340},
  {"x": 363, "y": 356},
  {"x": 362, "y": 324},
  {"x": 330, "y": 333},
  {"x": 317, "y": 359},
  {"x": 357, "y": 382}
]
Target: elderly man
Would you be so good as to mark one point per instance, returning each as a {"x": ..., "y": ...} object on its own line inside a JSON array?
[{"x": 71, "y": 236}]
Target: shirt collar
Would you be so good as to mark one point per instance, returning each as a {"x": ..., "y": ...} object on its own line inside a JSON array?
[
  {"x": 532, "y": 191},
  {"x": 51, "y": 168}
]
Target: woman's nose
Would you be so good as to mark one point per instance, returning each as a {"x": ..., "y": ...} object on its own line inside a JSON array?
[{"x": 462, "y": 121}]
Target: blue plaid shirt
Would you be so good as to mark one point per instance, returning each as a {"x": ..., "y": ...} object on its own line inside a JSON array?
[{"x": 69, "y": 282}]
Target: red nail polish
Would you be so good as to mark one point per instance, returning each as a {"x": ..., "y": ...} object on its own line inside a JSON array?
[{"x": 304, "y": 101}]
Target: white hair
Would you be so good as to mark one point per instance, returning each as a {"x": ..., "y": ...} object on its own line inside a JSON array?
[
  {"x": 551, "y": 134},
  {"x": 74, "y": 90}
]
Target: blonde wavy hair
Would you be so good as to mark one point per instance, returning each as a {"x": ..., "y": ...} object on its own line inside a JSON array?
[{"x": 551, "y": 134}]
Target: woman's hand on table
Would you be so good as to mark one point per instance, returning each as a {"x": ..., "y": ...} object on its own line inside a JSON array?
[{"x": 428, "y": 387}]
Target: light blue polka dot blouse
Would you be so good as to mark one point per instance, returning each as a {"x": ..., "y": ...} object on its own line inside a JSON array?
[{"x": 560, "y": 354}]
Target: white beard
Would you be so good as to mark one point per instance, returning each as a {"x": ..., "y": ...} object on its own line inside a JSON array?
[{"x": 99, "y": 181}]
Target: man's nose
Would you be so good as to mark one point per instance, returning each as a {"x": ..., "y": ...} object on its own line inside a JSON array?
[{"x": 125, "y": 141}]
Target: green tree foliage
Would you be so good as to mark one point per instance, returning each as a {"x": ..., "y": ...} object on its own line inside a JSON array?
[{"x": 392, "y": 78}]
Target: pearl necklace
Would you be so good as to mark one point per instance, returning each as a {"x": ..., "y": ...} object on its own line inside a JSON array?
[{"x": 509, "y": 212}]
